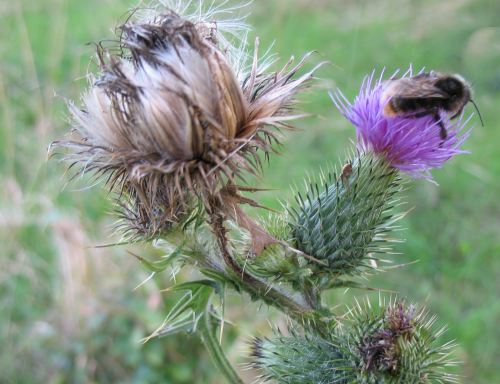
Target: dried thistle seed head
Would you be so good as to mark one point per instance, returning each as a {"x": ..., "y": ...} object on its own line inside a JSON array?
[{"x": 167, "y": 122}]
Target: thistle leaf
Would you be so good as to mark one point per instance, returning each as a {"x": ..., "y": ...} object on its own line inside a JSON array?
[
  {"x": 185, "y": 315},
  {"x": 164, "y": 263}
]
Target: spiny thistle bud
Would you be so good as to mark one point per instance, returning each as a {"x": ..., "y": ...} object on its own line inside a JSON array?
[
  {"x": 167, "y": 122},
  {"x": 394, "y": 344},
  {"x": 296, "y": 359},
  {"x": 344, "y": 220}
]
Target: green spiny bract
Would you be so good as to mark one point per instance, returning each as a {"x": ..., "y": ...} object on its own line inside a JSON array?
[
  {"x": 344, "y": 219},
  {"x": 392, "y": 344},
  {"x": 297, "y": 359}
]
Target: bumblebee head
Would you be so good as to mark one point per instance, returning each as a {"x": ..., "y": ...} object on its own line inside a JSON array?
[{"x": 454, "y": 86}]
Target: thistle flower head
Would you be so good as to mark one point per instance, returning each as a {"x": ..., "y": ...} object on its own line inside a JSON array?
[
  {"x": 411, "y": 144},
  {"x": 167, "y": 122}
]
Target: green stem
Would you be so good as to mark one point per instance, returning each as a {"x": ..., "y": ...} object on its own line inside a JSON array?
[
  {"x": 255, "y": 287},
  {"x": 312, "y": 296},
  {"x": 207, "y": 331},
  {"x": 319, "y": 320}
]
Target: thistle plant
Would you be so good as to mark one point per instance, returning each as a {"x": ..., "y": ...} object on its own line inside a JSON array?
[{"x": 178, "y": 115}]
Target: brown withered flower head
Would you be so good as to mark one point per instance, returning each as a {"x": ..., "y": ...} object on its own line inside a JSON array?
[{"x": 168, "y": 124}]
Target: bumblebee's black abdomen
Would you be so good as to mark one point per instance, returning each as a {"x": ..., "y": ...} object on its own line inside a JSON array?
[{"x": 409, "y": 105}]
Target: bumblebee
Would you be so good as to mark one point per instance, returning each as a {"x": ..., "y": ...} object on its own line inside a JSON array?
[{"x": 427, "y": 93}]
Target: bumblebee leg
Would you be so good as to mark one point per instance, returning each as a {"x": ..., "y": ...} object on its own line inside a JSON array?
[{"x": 442, "y": 130}]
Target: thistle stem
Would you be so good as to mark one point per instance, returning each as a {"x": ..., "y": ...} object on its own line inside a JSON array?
[
  {"x": 312, "y": 296},
  {"x": 300, "y": 312},
  {"x": 207, "y": 330}
]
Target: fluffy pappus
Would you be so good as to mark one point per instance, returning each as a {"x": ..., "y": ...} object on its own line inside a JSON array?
[{"x": 167, "y": 123}]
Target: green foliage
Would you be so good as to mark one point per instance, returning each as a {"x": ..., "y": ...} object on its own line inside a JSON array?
[
  {"x": 278, "y": 262},
  {"x": 190, "y": 308},
  {"x": 344, "y": 219},
  {"x": 165, "y": 261}
]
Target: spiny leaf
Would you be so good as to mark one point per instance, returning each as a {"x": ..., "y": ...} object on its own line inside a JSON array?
[
  {"x": 190, "y": 308},
  {"x": 221, "y": 278},
  {"x": 164, "y": 263}
]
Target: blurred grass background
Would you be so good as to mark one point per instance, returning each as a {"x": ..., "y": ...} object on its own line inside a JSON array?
[{"x": 69, "y": 312}]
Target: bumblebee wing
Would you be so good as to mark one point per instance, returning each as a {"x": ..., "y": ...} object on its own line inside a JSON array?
[
  {"x": 407, "y": 95},
  {"x": 412, "y": 88}
]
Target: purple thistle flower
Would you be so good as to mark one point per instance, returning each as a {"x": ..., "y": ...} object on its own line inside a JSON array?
[{"x": 412, "y": 145}]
